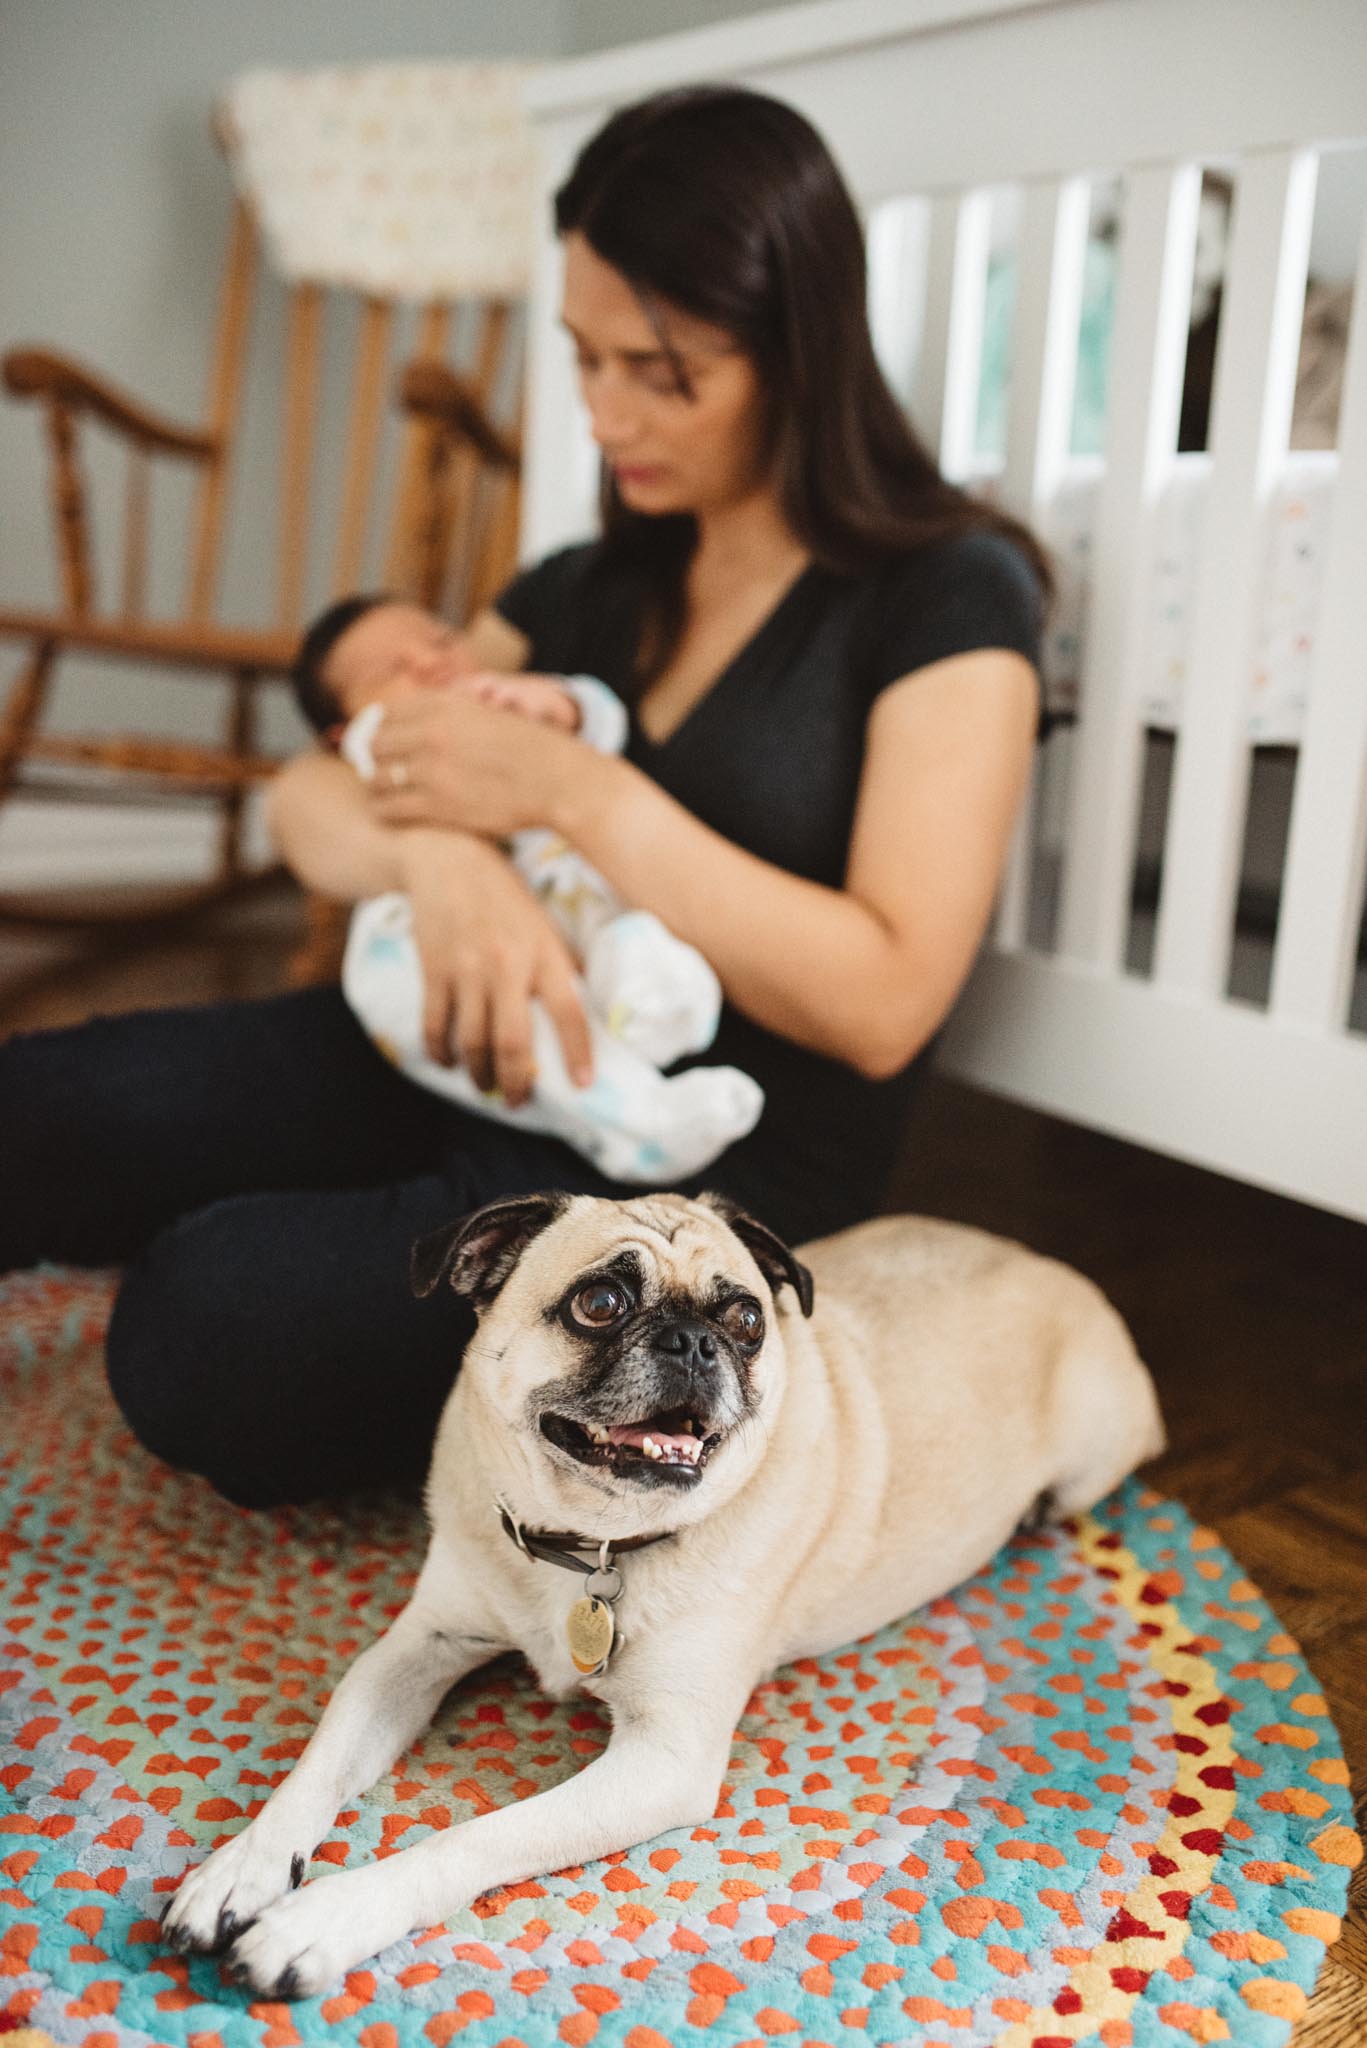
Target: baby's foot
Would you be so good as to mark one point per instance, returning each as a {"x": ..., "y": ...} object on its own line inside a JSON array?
[
  {"x": 676, "y": 1128},
  {"x": 654, "y": 993}
]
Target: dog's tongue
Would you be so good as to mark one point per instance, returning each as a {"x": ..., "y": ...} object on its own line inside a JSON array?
[{"x": 634, "y": 1432}]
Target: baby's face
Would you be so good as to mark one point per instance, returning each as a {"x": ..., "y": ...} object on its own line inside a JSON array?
[{"x": 392, "y": 651}]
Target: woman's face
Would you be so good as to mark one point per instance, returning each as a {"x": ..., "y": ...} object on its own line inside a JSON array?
[{"x": 669, "y": 451}]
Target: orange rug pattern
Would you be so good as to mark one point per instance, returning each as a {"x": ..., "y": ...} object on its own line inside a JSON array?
[{"x": 1092, "y": 1796}]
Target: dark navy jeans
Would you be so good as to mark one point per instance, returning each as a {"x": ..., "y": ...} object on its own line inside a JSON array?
[{"x": 262, "y": 1173}]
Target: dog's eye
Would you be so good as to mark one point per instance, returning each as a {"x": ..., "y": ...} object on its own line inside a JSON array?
[
  {"x": 744, "y": 1320},
  {"x": 598, "y": 1303}
]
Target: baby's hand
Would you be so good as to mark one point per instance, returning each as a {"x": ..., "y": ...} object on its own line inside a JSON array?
[{"x": 544, "y": 698}]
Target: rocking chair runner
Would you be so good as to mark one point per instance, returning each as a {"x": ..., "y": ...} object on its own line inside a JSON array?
[{"x": 451, "y": 542}]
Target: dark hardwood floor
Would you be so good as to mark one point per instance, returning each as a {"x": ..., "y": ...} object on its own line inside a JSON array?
[{"x": 1251, "y": 1311}]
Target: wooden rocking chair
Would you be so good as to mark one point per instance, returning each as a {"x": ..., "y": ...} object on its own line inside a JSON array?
[{"x": 452, "y": 539}]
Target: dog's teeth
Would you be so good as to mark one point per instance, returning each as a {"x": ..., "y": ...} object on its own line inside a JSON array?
[{"x": 651, "y": 1448}]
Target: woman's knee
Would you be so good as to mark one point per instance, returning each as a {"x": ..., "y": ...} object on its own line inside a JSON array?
[
  {"x": 177, "y": 1367},
  {"x": 246, "y": 1348}
]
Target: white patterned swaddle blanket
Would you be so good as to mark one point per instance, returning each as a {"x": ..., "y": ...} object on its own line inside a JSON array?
[{"x": 649, "y": 999}]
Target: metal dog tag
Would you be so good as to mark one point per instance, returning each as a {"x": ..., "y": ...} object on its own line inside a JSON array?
[{"x": 590, "y": 1629}]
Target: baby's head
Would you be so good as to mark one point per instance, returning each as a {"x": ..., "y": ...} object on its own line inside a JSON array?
[{"x": 371, "y": 650}]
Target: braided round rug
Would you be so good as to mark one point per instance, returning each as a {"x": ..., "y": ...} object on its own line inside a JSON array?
[{"x": 1093, "y": 1796}]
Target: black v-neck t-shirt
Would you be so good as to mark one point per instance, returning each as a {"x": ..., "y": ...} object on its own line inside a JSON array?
[{"x": 771, "y": 758}]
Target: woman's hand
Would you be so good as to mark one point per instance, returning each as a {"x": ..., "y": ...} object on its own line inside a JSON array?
[
  {"x": 444, "y": 758},
  {"x": 487, "y": 948}
]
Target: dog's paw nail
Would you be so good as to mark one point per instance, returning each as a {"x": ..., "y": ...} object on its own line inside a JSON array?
[
  {"x": 228, "y": 1929},
  {"x": 287, "y": 1984},
  {"x": 296, "y": 1872},
  {"x": 177, "y": 1938}
]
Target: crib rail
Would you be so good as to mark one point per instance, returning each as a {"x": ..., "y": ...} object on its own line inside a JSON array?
[{"x": 928, "y": 104}]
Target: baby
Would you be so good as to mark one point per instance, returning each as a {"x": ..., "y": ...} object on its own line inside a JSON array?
[{"x": 648, "y": 997}]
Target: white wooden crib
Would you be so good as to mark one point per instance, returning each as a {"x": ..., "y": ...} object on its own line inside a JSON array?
[{"x": 927, "y": 104}]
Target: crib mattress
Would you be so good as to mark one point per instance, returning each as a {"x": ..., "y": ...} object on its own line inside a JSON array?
[{"x": 1284, "y": 639}]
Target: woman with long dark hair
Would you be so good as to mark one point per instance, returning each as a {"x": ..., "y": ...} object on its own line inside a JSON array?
[{"x": 828, "y": 654}]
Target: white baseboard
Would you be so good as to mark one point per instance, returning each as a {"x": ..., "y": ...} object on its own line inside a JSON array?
[
  {"x": 1218, "y": 1083},
  {"x": 52, "y": 845}
]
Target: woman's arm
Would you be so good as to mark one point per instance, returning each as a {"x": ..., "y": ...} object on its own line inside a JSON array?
[
  {"x": 318, "y": 817},
  {"x": 486, "y": 945},
  {"x": 866, "y": 973},
  {"x": 495, "y": 642}
]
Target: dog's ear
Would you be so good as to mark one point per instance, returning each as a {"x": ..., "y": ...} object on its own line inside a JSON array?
[
  {"x": 478, "y": 1252},
  {"x": 769, "y": 1252}
]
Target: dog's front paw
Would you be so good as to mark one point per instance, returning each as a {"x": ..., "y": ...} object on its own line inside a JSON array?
[
  {"x": 222, "y": 1897},
  {"x": 309, "y": 1939}
]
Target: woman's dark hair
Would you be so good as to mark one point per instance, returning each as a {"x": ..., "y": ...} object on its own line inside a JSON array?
[
  {"x": 315, "y": 698},
  {"x": 728, "y": 204}
]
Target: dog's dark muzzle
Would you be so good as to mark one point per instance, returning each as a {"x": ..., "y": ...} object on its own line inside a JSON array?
[
  {"x": 679, "y": 1408},
  {"x": 684, "y": 1367},
  {"x": 689, "y": 1340}
]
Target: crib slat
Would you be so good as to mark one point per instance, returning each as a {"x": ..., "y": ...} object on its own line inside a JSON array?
[
  {"x": 1313, "y": 964},
  {"x": 1053, "y": 249},
  {"x": 944, "y": 406},
  {"x": 895, "y": 239},
  {"x": 548, "y": 518},
  {"x": 1255, "y": 373},
  {"x": 1011, "y": 918},
  {"x": 560, "y": 488},
  {"x": 1148, "y": 356}
]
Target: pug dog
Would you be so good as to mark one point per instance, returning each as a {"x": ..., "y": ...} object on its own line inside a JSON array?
[{"x": 676, "y": 1457}]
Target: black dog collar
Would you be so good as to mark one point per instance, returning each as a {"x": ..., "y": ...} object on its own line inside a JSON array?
[{"x": 557, "y": 1546}]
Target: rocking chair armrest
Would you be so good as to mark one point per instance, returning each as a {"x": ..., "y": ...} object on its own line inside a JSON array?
[
  {"x": 429, "y": 390},
  {"x": 184, "y": 643},
  {"x": 41, "y": 373},
  {"x": 215, "y": 767}
]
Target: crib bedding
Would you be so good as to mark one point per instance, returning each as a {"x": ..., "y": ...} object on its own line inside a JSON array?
[{"x": 1279, "y": 668}]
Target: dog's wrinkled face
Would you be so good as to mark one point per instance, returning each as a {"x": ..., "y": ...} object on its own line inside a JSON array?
[{"x": 630, "y": 1340}]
